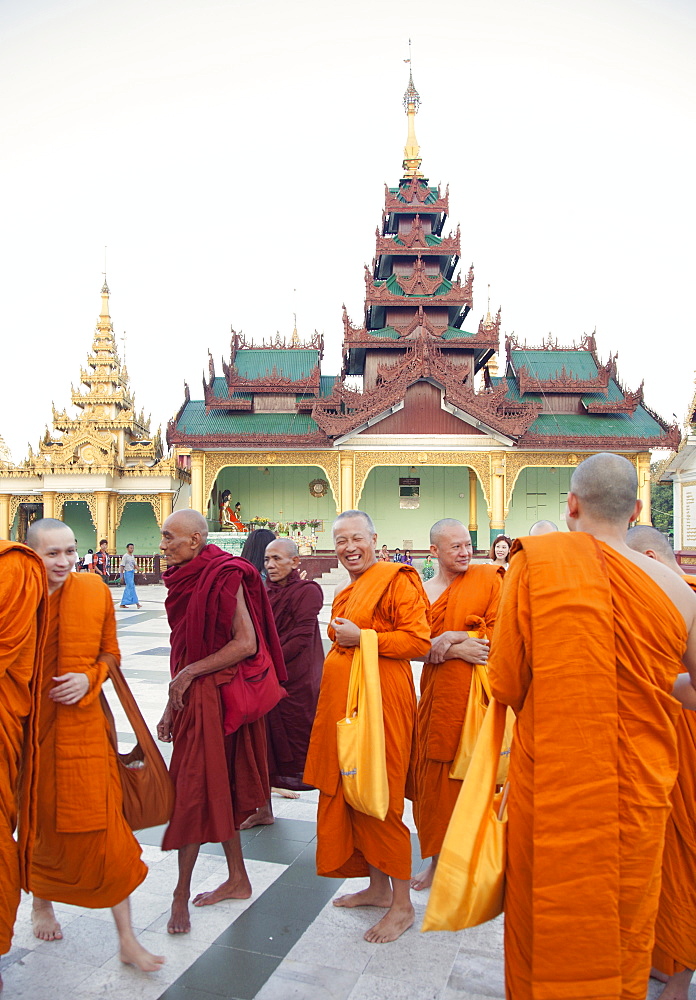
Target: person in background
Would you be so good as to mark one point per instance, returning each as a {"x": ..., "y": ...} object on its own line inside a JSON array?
[
  {"x": 408, "y": 559},
  {"x": 542, "y": 528},
  {"x": 428, "y": 568},
  {"x": 88, "y": 562},
  {"x": 383, "y": 554},
  {"x": 398, "y": 556},
  {"x": 128, "y": 576},
  {"x": 100, "y": 561},
  {"x": 255, "y": 548},
  {"x": 500, "y": 551}
]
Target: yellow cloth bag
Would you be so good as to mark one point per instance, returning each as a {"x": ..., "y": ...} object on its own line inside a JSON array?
[
  {"x": 361, "y": 751},
  {"x": 469, "y": 881}
]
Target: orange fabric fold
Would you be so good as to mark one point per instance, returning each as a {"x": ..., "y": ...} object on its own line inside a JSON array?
[
  {"x": 470, "y": 601},
  {"x": 675, "y": 927},
  {"x": 85, "y": 852},
  {"x": 592, "y": 767},
  {"x": 22, "y": 633},
  {"x": 388, "y": 598}
]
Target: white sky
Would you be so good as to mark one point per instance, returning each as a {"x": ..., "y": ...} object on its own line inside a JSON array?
[{"x": 229, "y": 153}]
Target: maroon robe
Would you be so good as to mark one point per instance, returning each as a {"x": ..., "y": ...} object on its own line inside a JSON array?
[
  {"x": 295, "y": 609},
  {"x": 219, "y": 780}
]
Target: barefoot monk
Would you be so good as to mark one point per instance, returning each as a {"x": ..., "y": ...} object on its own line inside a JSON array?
[
  {"x": 463, "y": 598},
  {"x": 389, "y": 598},
  {"x": 219, "y": 616},
  {"x": 85, "y": 852},
  {"x": 589, "y": 641}
]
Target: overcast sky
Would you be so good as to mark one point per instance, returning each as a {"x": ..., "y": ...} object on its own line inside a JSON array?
[{"x": 232, "y": 157}]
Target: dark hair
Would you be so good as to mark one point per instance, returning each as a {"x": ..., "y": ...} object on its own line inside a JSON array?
[
  {"x": 90, "y": 552},
  {"x": 255, "y": 546},
  {"x": 500, "y": 538},
  {"x": 130, "y": 543},
  {"x": 104, "y": 541}
]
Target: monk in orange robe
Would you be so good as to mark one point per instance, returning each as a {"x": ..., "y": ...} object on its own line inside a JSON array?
[
  {"x": 22, "y": 633},
  {"x": 674, "y": 953},
  {"x": 587, "y": 646},
  {"x": 85, "y": 852},
  {"x": 463, "y": 598},
  {"x": 389, "y": 598}
]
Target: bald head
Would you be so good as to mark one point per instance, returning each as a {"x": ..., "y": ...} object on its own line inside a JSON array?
[
  {"x": 184, "y": 535},
  {"x": 280, "y": 559},
  {"x": 652, "y": 543},
  {"x": 286, "y": 546},
  {"x": 187, "y": 520},
  {"x": 354, "y": 513},
  {"x": 444, "y": 527},
  {"x": 55, "y": 543},
  {"x": 542, "y": 528},
  {"x": 606, "y": 488},
  {"x": 38, "y": 531}
]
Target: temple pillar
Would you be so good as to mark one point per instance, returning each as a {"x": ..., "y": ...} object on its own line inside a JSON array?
[
  {"x": 473, "y": 508},
  {"x": 165, "y": 506},
  {"x": 102, "y": 497},
  {"x": 49, "y": 503},
  {"x": 497, "y": 498},
  {"x": 5, "y": 516},
  {"x": 347, "y": 498},
  {"x": 111, "y": 522},
  {"x": 643, "y": 470},
  {"x": 197, "y": 464}
]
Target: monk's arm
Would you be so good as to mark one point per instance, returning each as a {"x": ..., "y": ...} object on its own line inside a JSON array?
[
  {"x": 242, "y": 645},
  {"x": 81, "y": 688},
  {"x": 508, "y": 666},
  {"x": 294, "y": 640},
  {"x": 685, "y": 685},
  {"x": 410, "y": 636}
]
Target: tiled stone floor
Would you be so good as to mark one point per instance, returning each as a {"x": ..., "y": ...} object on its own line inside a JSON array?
[{"x": 285, "y": 943}]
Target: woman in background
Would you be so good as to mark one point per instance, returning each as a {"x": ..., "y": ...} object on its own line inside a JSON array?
[{"x": 500, "y": 551}]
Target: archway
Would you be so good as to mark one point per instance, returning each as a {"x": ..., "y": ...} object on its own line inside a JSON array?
[{"x": 539, "y": 494}]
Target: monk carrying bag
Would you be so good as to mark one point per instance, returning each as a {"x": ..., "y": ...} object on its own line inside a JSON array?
[
  {"x": 148, "y": 792},
  {"x": 360, "y": 736},
  {"x": 253, "y": 691}
]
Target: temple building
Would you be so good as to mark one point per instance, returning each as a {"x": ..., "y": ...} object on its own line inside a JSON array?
[
  {"x": 101, "y": 471},
  {"x": 423, "y": 420},
  {"x": 680, "y": 470}
]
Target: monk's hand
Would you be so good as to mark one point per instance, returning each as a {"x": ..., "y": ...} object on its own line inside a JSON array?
[
  {"x": 471, "y": 650},
  {"x": 164, "y": 726},
  {"x": 347, "y": 633},
  {"x": 69, "y": 689},
  {"x": 439, "y": 648},
  {"x": 178, "y": 688}
]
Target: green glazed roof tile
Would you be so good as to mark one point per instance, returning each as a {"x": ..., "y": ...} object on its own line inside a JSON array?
[
  {"x": 293, "y": 364},
  {"x": 548, "y": 364},
  {"x": 195, "y": 421}
]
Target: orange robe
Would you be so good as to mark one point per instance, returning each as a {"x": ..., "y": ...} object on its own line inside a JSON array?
[
  {"x": 675, "y": 928},
  {"x": 22, "y": 604},
  {"x": 85, "y": 852},
  {"x": 586, "y": 650},
  {"x": 444, "y": 694},
  {"x": 388, "y": 598}
]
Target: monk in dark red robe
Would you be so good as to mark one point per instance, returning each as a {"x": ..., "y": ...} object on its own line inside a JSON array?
[
  {"x": 589, "y": 640},
  {"x": 22, "y": 635},
  {"x": 296, "y": 604},
  {"x": 219, "y": 616}
]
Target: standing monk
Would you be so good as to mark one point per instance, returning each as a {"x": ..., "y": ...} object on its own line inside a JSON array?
[
  {"x": 22, "y": 633},
  {"x": 296, "y": 604},
  {"x": 85, "y": 852},
  {"x": 219, "y": 616},
  {"x": 588, "y": 643},
  {"x": 674, "y": 954},
  {"x": 463, "y": 598},
  {"x": 389, "y": 598}
]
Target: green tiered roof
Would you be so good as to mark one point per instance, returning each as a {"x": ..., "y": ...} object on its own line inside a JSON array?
[
  {"x": 195, "y": 421},
  {"x": 295, "y": 364}
]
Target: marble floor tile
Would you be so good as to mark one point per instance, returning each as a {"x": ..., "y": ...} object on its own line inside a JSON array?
[
  {"x": 479, "y": 974},
  {"x": 379, "y": 988},
  {"x": 294, "y": 980},
  {"x": 39, "y": 976}
]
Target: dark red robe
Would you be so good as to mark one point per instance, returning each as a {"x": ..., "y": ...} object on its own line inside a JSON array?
[
  {"x": 219, "y": 780},
  {"x": 295, "y": 609}
]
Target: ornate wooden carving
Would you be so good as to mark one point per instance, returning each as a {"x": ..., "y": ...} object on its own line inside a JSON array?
[
  {"x": 153, "y": 499},
  {"x": 565, "y": 382},
  {"x": 415, "y": 194},
  {"x": 628, "y": 404},
  {"x": 602, "y": 442}
]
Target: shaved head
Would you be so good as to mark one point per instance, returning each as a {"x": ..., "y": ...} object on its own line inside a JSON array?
[
  {"x": 542, "y": 528},
  {"x": 184, "y": 536},
  {"x": 653, "y": 543},
  {"x": 38, "y": 529},
  {"x": 285, "y": 545},
  {"x": 355, "y": 513},
  {"x": 280, "y": 559},
  {"x": 606, "y": 487},
  {"x": 442, "y": 528},
  {"x": 188, "y": 521}
]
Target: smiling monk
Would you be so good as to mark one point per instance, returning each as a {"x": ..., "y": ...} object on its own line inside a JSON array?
[{"x": 389, "y": 598}]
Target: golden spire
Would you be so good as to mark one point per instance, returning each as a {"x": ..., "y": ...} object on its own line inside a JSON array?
[
  {"x": 295, "y": 338},
  {"x": 104, "y": 321},
  {"x": 412, "y": 159}
]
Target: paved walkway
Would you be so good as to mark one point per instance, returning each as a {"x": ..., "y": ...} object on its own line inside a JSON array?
[{"x": 286, "y": 943}]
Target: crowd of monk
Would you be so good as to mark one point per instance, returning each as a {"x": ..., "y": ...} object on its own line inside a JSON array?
[{"x": 588, "y": 635}]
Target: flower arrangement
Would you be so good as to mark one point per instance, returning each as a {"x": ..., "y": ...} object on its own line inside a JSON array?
[{"x": 258, "y": 522}]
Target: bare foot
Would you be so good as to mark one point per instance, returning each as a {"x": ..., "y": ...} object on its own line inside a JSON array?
[
  {"x": 262, "y": 817},
  {"x": 133, "y": 953},
  {"x": 286, "y": 793},
  {"x": 46, "y": 927},
  {"x": 179, "y": 921},
  {"x": 677, "y": 986},
  {"x": 656, "y": 974},
  {"x": 391, "y": 926},
  {"x": 424, "y": 879},
  {"x": 366, "y": 897},
  {"x": 238, "y": 887}
]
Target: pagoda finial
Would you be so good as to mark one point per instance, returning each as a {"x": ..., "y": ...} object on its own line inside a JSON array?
[
  {"x": 104, "y": 321},
  {"x": 412, "y": 158},
  {"x": 295, "y": 337}
]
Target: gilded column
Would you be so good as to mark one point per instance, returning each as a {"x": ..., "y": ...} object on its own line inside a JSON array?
[
  {"x": 49, "y": 503},
  {"x": 497, "y": 497},
  {"x": 102, "y": 514},
  {"x": 347, "y": 500},
  {"x": 197, "y": 463},
  {"x": 5, "y": 516},
  {"x": 643, "y": 470},
  {"x": 473, "y": 508},
  {"x": 111, "y": 531},
  {"x": 165, "y": 506}
]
